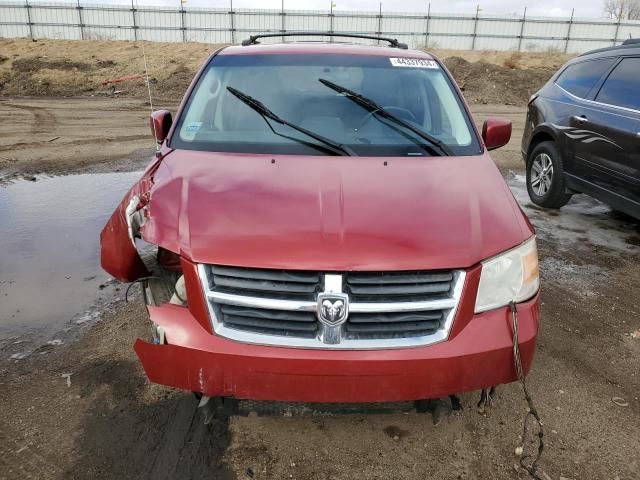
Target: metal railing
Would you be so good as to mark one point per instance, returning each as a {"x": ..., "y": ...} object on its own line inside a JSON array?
[{"x": 476, "y": 31}]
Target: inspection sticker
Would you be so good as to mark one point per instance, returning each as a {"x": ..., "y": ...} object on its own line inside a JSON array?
[
  {"x": 193, "y": 127},
  {"x": 413, "y": 63}
]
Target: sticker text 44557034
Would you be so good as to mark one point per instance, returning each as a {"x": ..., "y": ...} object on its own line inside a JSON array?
[{"x": 413, "y": 62}]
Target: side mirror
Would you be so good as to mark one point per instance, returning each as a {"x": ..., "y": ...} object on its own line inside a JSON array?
[
  {"x": 496, "y": 132},
  {"x": 160, "y": 123}
]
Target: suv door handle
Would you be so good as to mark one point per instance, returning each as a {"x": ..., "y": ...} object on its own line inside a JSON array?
[{"x": 580, "y": 118}]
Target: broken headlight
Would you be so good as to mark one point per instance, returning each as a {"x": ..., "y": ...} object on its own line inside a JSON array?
[{"x": 510, "y": 276}]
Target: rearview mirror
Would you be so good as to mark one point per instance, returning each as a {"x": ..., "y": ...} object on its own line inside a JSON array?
[
  {"x": 496, "y": 132},
  {"x": 160, "y": 123}
]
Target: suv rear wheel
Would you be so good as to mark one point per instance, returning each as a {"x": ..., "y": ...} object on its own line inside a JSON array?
[{"x": 545, "y": 179}]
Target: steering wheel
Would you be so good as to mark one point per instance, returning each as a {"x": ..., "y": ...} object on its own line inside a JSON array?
[{"x": 403, "y": 113}]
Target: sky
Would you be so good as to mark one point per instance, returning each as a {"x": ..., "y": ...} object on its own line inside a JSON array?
[{"x": 561, "y": 8}]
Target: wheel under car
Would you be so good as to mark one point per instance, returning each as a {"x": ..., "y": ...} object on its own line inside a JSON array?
[{"x": 545, "y": 177}]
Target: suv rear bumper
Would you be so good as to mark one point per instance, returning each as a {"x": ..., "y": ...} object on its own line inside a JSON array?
[{"x": 478, "y": 356}]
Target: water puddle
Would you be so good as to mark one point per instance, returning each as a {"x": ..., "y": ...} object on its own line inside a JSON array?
[{"x": 50, "y": 275}]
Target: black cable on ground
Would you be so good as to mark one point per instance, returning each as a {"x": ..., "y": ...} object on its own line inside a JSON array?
[{"x": 531, "y": 468}]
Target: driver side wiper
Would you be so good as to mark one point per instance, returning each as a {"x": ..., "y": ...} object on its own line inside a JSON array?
[
  {"x": 375, "y": 109},
  {"x": 267, "y": 115}
]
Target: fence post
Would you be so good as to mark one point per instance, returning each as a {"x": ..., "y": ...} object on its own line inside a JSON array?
[
  {"x": 28, "y": 7},
  {"x": 232, "y": 22},
  {"x": 426, "y": 33},
  {"x": 182, "y": 25},
  {"x": 475, "y": 28},
  {"x": 331, "y": 21},
  {"x": 79, "y": 8},
  {"x": 566, "y": 44},
  {"x": 615, "y": 38},
  {"x": 282, "y": 26},
  {"x": 135, "y": 26},
  {"x": 524, "y": 20},
  {"x": 379, "y": 21}
]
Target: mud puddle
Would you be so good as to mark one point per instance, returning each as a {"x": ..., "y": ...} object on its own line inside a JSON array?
[{"x": 50, "y": 275}]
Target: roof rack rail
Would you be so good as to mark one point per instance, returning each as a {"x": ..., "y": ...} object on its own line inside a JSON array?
[
  {"x": 630, "y": 43},
  {"x": 253, "y": 39}
]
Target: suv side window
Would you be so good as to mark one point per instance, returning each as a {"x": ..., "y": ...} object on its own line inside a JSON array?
[
  {"x": 580, "y": 78},
  {"x": 621, "y": 87}
]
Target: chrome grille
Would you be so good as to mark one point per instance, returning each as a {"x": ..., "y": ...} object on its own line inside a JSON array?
[
  {"x": 281, "y": 307},
  {"x": 392, "y": 324},
  {"x": 264, "y": 283},
  {"x": 273, "y": 322},
  {"x": 396, "y": 286}
]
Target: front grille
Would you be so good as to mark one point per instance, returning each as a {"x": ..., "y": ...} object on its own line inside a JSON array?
[
  {"x": 273, "y": 322},
  {"x": 265, "y": 283},
  {"x": 280, "y": 307},
  {"x": 397, "y": 286},
  {"x": 393, "y": 325}
]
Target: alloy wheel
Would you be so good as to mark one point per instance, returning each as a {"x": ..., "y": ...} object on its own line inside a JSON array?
[{"x": 541, "y": 174}]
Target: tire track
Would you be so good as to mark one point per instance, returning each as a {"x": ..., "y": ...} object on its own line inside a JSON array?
[{"x": 45, "y": 120}]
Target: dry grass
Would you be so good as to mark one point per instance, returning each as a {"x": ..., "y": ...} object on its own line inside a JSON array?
[
  {"x": 513, "y": 61},
  {"x": 71, "y": 68},
  {"x": 522, "y": 60}
]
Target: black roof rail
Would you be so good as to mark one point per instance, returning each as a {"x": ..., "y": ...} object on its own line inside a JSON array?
[
  {"x": 253, "y": 39},
  {"x": 630, "y": 44}
]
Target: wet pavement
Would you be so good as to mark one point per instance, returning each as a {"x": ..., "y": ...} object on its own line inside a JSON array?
[
  {"x": 50, "y": 275},
  {"x": 583, "y": 221}
]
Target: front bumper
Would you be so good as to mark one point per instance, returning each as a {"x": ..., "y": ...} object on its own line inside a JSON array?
[{"x": 476, "y": 356}]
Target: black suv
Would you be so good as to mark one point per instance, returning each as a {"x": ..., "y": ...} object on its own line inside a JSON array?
[{"x": 582, "y": 133}]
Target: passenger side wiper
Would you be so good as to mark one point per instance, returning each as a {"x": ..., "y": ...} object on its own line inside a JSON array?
[
  {"x": 436, "y": 146},
  {"x": 267, "y": 115}
]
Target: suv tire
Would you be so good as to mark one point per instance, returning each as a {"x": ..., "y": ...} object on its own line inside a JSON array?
[{"x": 545, "y": 177}]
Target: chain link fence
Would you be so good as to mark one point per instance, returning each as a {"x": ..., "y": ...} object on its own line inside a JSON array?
[{"x": 476, "y": 31}]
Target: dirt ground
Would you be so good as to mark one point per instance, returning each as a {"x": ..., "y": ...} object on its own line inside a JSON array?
[
  {"x": 110, "y": 423},
  {"x": 48, "y": 135},
  {"x": 106, "y": 421},
  {"x": 68, "y": 68}
]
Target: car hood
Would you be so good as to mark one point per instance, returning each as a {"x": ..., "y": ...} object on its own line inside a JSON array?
[{"x": 332, "y": 213}]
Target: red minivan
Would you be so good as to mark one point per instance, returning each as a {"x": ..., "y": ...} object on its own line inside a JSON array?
[{"x": 323, "y": 223}]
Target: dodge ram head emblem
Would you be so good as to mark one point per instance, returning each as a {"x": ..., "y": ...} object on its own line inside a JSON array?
[{"x": 333, "y": 308}]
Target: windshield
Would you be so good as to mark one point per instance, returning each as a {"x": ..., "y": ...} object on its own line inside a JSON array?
[{"x": 295, "y": 88}]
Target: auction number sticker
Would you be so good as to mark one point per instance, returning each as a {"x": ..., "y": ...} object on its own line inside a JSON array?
[{"x": 413, "y": 63}]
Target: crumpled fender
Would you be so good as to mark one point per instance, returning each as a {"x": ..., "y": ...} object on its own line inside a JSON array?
[{"x": 118, "y": 254}]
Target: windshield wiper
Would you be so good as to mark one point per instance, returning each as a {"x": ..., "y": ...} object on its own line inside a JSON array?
[
  {"x": 266, "y": 114},
  {"x": 436, "y": 146}
]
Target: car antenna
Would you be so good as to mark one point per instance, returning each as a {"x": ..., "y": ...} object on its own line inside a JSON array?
[{"x": 146, "y": 79}]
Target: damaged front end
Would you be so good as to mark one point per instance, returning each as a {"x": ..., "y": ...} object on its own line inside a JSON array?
[
  {"x": 276, "y": 244},
  {"x": 131, "y": 257},
  {"x": 119, "y": 254}
]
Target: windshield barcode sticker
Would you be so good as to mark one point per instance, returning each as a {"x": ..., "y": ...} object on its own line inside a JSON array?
[{"x": 413, "y": 63}]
